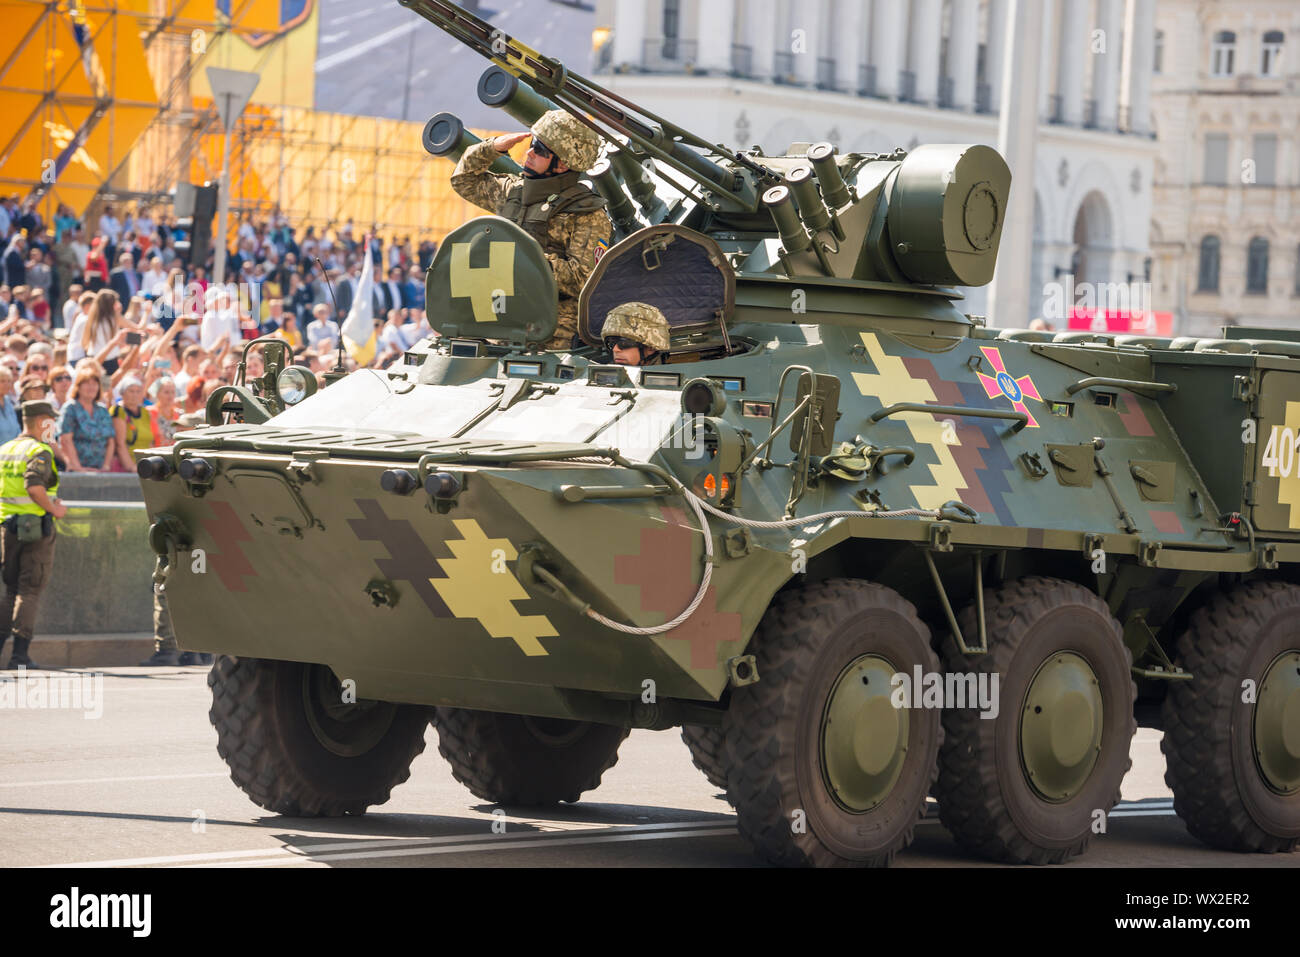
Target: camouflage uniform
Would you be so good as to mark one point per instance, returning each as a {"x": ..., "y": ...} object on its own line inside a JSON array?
[{"x": 565, "y": 217}]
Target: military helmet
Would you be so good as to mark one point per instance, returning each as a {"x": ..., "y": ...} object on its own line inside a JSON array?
[
  {"x": 577, "y": 145},
  {"x": 640, "y": 321}
]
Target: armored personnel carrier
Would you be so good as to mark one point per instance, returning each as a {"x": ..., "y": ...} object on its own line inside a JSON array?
[{"x": 862, "y": 547}]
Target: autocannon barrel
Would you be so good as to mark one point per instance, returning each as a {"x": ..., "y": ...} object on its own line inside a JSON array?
[
  {"x": 695, "y": 162},
  {"x": 811, "y": 208},
  {"x": 499, "y": 89},
  {"x": 621, "y": 209},
  {"x": 445, "y": 135},
  {"x": 793, "y": 236},
  {"x": 834, "y": 191}
]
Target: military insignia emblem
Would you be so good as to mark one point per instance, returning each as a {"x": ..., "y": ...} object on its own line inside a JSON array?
[
  {"x": 601, "y": 246},
  {"x": 1008, "y": 386}
]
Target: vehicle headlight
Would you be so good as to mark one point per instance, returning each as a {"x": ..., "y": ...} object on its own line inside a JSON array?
[{"x": 294, "y": 384}]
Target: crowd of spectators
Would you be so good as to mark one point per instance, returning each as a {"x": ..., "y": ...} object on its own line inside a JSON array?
[{"x": 127, "y": 339}]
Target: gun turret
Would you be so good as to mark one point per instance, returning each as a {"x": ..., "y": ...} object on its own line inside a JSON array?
[
  {"x": 932, "y": 217},
  {"x": 445, "y": 135}
]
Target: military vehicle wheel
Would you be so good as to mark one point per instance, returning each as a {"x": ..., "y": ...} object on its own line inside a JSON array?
[
  {"x": 822, "y": 768},
  {"x": 1027, "y": 785},
  {"x": 516, "y": 759},
  {"x": 295, "y": 748},
  {"x": 1234, "y": 765},
  {"x": 706, "y": 745}
]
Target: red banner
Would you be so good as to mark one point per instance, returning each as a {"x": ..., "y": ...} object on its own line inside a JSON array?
[{"x": 1122, "y": 321}]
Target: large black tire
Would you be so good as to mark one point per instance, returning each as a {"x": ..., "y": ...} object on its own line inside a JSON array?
[
  {"x": 707, "y": 747},
  {"x": 1219, "y": 789},
  {"x": 808, "y": 644},
  {"x": 519, "y": 760},
  {"x": 986, "y": 799},
  {"x": 294, "y": 748}
]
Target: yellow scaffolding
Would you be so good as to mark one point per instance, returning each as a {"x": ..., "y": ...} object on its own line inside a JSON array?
[{"x": 106, "y": 101}]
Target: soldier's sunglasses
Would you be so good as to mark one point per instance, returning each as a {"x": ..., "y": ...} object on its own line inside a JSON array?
[
  {"x": 622, "y": 343},
  {"x": 538, "y": 147}
]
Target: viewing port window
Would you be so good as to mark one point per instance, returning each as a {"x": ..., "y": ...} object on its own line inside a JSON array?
[
  {"x": 1107, "y": 400},
  {"x": 524, "y": 368},
  {"x": 1064, "y": 409},
  {"x": 661, "y": 380}
]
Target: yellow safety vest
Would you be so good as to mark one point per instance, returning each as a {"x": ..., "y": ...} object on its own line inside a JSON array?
[{"x": 14, "y": 456}]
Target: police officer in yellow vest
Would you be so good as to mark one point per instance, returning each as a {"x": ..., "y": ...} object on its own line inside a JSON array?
[{"x": 29, "y": 484}]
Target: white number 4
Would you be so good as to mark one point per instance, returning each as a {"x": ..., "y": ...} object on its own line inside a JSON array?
[{"x": 1280, "y": 452}]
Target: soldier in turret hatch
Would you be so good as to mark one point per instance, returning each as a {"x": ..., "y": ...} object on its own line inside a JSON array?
[
  {"x": 547, "y": 202},
  {"x": 636, "y": 334}
]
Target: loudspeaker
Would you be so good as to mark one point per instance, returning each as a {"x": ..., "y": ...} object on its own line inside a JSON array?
[{"x": 183, "y": 200}]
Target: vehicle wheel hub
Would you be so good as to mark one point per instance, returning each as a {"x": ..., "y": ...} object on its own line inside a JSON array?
[
  {"x": 346, "y": 729},
  {"x": 1060, "y": 726},
  {"x": 863, "y": 736},
  {"x": 1276, "y": 729}
]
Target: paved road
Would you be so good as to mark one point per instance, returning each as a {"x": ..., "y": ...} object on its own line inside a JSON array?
[
  {"x": 131, "y": 787},
  {"x": 375, "y": 58}
]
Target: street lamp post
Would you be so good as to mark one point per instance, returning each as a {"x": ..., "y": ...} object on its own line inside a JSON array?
[{"x": 231, "y": 89}]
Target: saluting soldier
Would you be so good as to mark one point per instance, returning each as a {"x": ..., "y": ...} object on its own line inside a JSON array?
[
  {"x": 547, "y": 202},
  {"x": 29, "y": 486}
]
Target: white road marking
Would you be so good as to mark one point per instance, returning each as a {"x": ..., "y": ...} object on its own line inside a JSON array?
[
  {"x": 344, "y": 18},
  {"x": 389, "y": 847},
  {"x": 1159, "y": 807},
  {"x": 362, "y": 48},
  {"x": 142, "y": 777},
  {"x": 498, "y": 843}
]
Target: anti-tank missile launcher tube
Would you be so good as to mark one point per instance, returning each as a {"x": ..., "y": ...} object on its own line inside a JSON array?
[
  {"x": 497, "y": 88},
  {"x": 794, "y": 238},
  {"x": 834, "y": 190},
  {"x": 621, "y": 210},
  {"x": 812, "y": 210},
  {"x": 634, "y": 177},
  {"x": 445, "y": 135}
]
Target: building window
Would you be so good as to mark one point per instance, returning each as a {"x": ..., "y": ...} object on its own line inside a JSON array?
[
  {"x": 1158, "y": 60},
  {"x": 1207, "y": 270},
  {"x": 1271, "y": 54},
  {"x": 1257, "y": 265},
  {"x": 672, "y": 27},
  {"x": 1222, "y": 53},
  {"x": 1265, "y": 157},
  {"x": 1216, "y": 159}
]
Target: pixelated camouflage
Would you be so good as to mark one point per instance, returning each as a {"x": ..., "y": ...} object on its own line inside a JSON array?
[
  {"x": 573, "y": 240},
  {"x": 640, "y": 321},
  {"x": 576, "y": 145}
]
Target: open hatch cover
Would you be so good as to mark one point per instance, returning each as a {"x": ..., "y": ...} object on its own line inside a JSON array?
[{"x": 680, "y": 272}]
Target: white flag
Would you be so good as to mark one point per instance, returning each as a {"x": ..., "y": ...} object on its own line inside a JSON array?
[{"x": 359, "y": 327}]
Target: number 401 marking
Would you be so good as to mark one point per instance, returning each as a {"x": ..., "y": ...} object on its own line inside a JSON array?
[{"x": 1280, "y": 452}]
